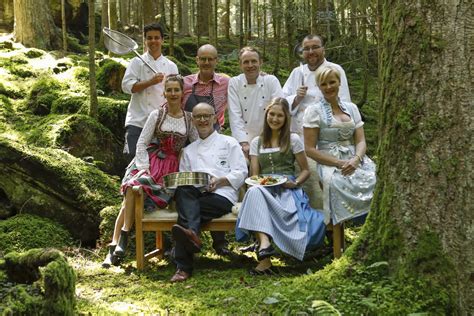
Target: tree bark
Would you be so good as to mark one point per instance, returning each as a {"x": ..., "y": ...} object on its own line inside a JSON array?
[
  {"x": 185, "y": 18},
  {"x": 422, "y": 211},
  {"x": 112, "y": 14},
  {"x": 34, "y": 25},
  {"x": 171, "y": 34},
  {"x": 93, "y": 105},
  {"x": 63, "y": 23},
  {"x": 148, "y": 16}
]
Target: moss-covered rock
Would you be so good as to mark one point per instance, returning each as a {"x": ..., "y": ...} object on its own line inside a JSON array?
[
  {"x": 112, "y": 113},
  {"x": 81, "y": 73},
  {"x": 85, "y": 137},
  {"x": 68, "y": 104},
  {"x": 34, "y": 53},
  {"x": 54, "y": 184},
  {"x": 25, "y": 231},
  {"x": 42, "y": 94},
  {"x": 48, "y": 268},
  {"x": 109, "y": 76},
  {"x": 183, "y": 69},
  {"x": 188, "y": 45}
]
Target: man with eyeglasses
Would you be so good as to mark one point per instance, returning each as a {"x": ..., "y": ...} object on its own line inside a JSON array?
[
  {"x": 207, "y": 86},
  {"x": 221, "y": 157},
  {"x": 145, "y": 86},
  {"x": 301, "y": 90}
]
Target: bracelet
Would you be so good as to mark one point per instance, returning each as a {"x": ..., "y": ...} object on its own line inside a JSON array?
[
  {"x": 360, "y": 159},
  {"x": 297, "y": 183}
]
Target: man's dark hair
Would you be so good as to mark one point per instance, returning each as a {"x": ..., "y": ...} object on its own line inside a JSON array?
[
  {"x": 153, "y": 27},
  {"x": 313, "y": 36}
]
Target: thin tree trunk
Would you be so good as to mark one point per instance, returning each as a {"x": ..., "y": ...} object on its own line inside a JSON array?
[
  {"x": 171, "y": 28},
  {"x": 93, "y": 105},
  {"x": 148, "y": 12},
  {"x": 64, "y": 27},
  {"x": 227, "y": 20},
  {"x": 185, "y": 18},
  {"x": 104, "y": 21}
]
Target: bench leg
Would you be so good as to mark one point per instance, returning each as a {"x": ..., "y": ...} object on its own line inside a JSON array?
[
  {"x": 338, "y": 240},
  {"x": 159, "y": 243},
  {"x": 139, "y": 243}
]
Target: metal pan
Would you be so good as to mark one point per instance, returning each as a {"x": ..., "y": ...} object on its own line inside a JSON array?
[{"x": 198, "y": 179}]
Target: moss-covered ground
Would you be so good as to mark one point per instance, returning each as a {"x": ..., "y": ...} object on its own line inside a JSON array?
[{"x": 40, "y": 92}]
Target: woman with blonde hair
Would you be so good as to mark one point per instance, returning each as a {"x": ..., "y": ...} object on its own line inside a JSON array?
[{"x": 334, "y": 138}]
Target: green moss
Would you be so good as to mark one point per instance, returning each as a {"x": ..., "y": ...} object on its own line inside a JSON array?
[
  {"x": 34, "y": 53},
  {"x": 25, "y": 231},
  {"x": 51, "y": 274},
  {"x": 68, "y": 104},
  {"x": 81, "y": 74},
  {"x": 188, "y": 45},
  {"x": 109, "y": 76},
  {"x": 112, "y": 113},
  {"x": 184, "y": 70},
  {"x": 178, "y": 53},
  {"x": 42, "y": 94}
]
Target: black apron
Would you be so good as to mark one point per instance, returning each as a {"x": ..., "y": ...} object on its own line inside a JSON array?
[{"x": 194, "y": 99}]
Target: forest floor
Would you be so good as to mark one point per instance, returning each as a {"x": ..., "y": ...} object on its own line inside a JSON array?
[{"x": 219, "y": 285}]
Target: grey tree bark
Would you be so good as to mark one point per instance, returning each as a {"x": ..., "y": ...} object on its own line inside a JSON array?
[{"x": 34, "y": 25}]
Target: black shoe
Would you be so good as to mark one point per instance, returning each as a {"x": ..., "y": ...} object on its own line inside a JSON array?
[
  {"x": 110, "y": 258},
  {"x": 249, "y": 248},
  {"x": 122, "y": 245},
  {"x": 267, "y": 271},
  {"x": 266, "y": 253},
  {"x": 223, "y": 251}
]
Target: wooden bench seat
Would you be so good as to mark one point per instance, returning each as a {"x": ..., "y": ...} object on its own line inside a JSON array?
[{"x": 162, "y": 220}]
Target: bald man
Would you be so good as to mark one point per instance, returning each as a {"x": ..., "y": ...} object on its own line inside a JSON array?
[
  {"x": 207, "y": 86},
  {"x": 221, "y": 157}
]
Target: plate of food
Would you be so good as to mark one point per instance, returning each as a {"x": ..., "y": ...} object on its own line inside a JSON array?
[{"x": 266, "y": 180}]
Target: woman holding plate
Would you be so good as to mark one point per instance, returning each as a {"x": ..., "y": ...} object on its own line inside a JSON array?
[{"x": 281, "y": 211}]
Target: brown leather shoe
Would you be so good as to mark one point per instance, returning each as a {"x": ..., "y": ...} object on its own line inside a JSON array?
[
  {"x": 187, "y": 237},
  {"x": 180, "y": 276}
]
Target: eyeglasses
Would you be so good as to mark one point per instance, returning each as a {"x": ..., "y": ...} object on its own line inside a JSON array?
[
  {"x": 206, "y": 59},
  {"x": 203, "y": 117},
  {"x": 314, "y": 48}
]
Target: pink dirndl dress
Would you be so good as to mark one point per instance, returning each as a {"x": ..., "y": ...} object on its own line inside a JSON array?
[{"x": 163, "y": 154}]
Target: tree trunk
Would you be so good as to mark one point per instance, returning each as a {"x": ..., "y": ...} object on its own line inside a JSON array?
[
  {"x": 241, "y": 24},
  {"x": 112, "y": 14},
  {"x": 171, "y": 28},
  {"x": 277, "y": 14},
  {"x": 34, "y": 25},
  {"x": 93, "y": 105},
  {"x": 314, "y": 17},
  {"x": 148, "y": 12},
  {"x": 185, "y": 17},
  {"x": 227, "y": 20},
  {"x": 63, "y": 23},
  {"x": 124, "y": 13},
  {"x": 202, "y": 17},
  {"x": 290, "y": 30},
  {"x": 422, "y": 211},
  {"x": 104, "y": 21}
]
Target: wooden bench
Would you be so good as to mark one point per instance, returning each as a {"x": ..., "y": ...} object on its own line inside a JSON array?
[{"x": 163, "y": 220}]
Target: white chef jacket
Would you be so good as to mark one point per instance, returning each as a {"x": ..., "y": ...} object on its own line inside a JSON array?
[
  {"x": 303, "y": 76},
  {"x": 247, "y": 103},
  {"x": 220, "y": 156},
  {"x": 143, "y": 102}
]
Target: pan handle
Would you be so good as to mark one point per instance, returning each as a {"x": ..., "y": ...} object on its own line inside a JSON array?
[{"x": 146, "y": 63}]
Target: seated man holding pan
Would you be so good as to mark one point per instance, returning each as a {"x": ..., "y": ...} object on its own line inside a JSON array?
[{"x": 221, "y": 157}]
